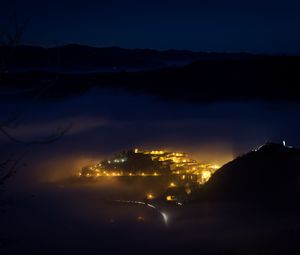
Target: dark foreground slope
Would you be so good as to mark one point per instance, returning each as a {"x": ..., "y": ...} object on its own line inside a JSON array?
[{"x": 271, "y": 172}]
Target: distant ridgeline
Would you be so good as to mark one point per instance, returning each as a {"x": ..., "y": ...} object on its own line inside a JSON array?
[
  {"x": 150, "y": 163},
  {"x": 170, "y": 75}
]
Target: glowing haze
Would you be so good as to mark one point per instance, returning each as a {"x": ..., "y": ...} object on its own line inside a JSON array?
[{"x": 105, "y": 123}]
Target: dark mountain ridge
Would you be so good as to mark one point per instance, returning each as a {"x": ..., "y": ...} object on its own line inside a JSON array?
[
  {"x": 272, "y": 171},
  {"x": 82, "y": 57},
  {"x": 200, "y": 77}
]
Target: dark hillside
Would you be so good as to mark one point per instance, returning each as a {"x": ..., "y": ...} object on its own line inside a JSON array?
[{"x": 271, "y": 172}]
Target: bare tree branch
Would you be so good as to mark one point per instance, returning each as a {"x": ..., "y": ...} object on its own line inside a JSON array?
[
  {"x": 10, "y": 37},
  {"x": 9, "y": 168},
  {"x": 5, "y": 163},
  {"x": 60, "y": 132}
]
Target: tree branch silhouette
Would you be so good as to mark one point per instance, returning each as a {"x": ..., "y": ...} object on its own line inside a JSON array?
[
  {"x": 60, "y": 132},
  {"x": 10, "y": 37}
]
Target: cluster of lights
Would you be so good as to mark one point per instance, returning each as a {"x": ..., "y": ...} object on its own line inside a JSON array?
[
  {"x": 122, "y": 160},
  {"x": 187, "y": 169},
  {"x": 155, "y": 152},
  {"x": 114, "y": 174},
  {"x": 202, "y": 176}
]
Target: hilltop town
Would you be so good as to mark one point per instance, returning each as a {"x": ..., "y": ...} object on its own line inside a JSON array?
[{"x": 152, "y": 163}]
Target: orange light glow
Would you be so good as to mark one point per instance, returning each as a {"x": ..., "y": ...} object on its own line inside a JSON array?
[
  {"x": 170, "y": 198},
  {"x": 172, "y": 185},
  {"x": 150, "y": 196}
]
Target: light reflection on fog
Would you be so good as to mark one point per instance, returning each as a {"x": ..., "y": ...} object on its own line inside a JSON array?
[{"x": 107, "y": 122}]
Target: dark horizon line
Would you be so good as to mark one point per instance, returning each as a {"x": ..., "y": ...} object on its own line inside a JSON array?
[{"x": 158, "y": 50}]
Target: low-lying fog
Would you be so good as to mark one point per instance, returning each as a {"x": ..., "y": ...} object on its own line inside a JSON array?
[
  {"x": 42, "y": 213},
  {"x": 84, "y": 219},
  {"x": 106, "y": 122}
]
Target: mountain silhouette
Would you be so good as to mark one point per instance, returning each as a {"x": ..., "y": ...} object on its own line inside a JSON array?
[
  {"x": 201, "y": 77},
  {"x": 272, "y": 171},
  {"x": 85, "y": 58}
]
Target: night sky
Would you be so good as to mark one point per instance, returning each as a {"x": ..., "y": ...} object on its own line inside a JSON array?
[{"x": 232, "y": 25}]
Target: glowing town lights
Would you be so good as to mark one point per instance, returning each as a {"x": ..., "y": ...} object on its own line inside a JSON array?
[
  {"x": 164, "y": 163},
  {"x": 154, "y": 152},
  {"x": 170, "y": 198},
  {"x": 205, "y": 176},
  {"x": 172, "y": 185},
  {"x": 150, "y": 196}
]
